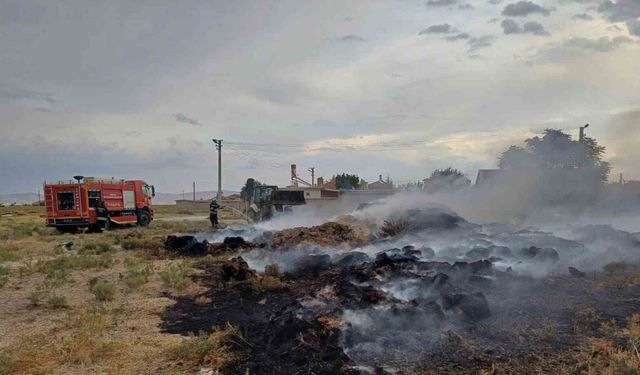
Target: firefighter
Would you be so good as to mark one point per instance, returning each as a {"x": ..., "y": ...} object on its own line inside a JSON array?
[
  {"x": 102, "y": 215},
  {"x": 213, "y": 213}
]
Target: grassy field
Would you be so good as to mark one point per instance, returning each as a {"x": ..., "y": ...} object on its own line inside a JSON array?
[{"x": 90, "y": 302}]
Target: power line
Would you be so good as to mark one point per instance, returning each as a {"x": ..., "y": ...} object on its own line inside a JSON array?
[{"x": 328, "y": 147}]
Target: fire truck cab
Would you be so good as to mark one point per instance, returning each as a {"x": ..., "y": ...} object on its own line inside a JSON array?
[{"x": 96, "y": 203}]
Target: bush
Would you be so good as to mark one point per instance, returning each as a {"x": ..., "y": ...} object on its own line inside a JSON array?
[
  {"x": 142, "y": 243},
  {"x": 97, "y": 247},
  {"x": 137, "y": 273},
  {"x": 65, "y": 263},
  {"x": 57, "y": 302},
  {"x": 218, "y": 350},
  {"x": 175, "y": 276},
  {"x": 45, "y": 294},
  {"x": 102, "y": 290}
]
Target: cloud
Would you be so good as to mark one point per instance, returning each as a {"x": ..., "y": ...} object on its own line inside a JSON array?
[
  {"x": 583, "y": 16},
  {"x": 16, "y": 93},
  {"x": 181, "y": 117},
  {"x": 351, "y": 38},
  {"x": 444, "y": 28},
  {"x": 634, "y": 27},
  {"x": 459, "y": 36},
  {"x": 603, "y": 44},
  {"x": 535, "y": 28},
  {"x": 440, "y": 3},
  {"x": 481, "y": 42},
  {"x": 621, "y": 10},
  {"x": 510, "y": 26},
  {"x": 523, "y": 9}
]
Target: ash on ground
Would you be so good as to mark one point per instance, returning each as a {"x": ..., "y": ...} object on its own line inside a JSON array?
[{"x": 427, "y": 291}]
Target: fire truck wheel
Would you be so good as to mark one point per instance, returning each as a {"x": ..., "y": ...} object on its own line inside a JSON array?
[{"x": 144, "y": 218}]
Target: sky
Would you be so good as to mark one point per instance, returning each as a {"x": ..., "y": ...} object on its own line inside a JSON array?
[{"x": 137, "y": 89}]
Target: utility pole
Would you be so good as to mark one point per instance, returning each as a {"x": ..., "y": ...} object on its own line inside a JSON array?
[
  {"x": 581, "y": 138},
  {"x": 583, "y": 156},
  {"x": 218, "y": 143},
  {"x": 313, "y": 176},
  {"x": 194, "y": 191}
]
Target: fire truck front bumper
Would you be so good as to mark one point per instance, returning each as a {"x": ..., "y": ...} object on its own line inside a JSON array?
[{"x": 76, "y": 222}]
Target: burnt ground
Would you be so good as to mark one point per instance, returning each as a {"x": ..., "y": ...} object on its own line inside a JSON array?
[{"x": 532, "y": 326}]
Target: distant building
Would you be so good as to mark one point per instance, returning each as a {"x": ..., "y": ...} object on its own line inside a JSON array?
[
  {"x": 380, "y": 185},
  {"x": 487, "y": 176},
  {"x": 315, "y": 193},
  {"x": 331, "y": 184}
]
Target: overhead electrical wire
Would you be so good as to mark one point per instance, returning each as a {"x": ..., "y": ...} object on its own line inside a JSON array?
[{"x": 326, "y": 147}]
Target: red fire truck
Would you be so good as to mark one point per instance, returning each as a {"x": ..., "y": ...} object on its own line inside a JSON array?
[{"x": 94, "y": 203}]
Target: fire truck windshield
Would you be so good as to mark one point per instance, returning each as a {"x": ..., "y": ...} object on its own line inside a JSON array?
[{"x": 147, "y": 190}]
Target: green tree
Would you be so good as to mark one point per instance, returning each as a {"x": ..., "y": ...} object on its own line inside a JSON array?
[
  {"x": 347, "y": 181},
  {"x": 446, "y": 179},
  {"x": 565, "y": 170}
]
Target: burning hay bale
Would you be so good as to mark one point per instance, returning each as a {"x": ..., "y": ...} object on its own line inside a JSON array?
[
  {"x": 430, "y": 219},
  {"x": 186, "y": 245},
  {"x": 236, "y": 269},
  {"x": 576, "y": 272},
  {"x": 190, "y": 246},
  {"x": 327, "y": 234},
  {"x": 540, "y": 255},
  {"x": 313, "y": 263},
  {"x": 350, "y": 259}
]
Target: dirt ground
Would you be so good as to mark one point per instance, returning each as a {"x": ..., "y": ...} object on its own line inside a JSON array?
[{"x": 120, "y": 303}]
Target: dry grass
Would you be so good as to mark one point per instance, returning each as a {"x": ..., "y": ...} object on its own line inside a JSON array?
[
  {"x": 455, "y": 340},
  {"x": 51, "y": 323},
  {"x": 5, "y": 272},
  {"x": 615, "y": 267},
  {"x": 176, "y": 276},
  {"x": 604, "y": 356},
  {"x": 98, "y": 246},
  {"x": 9, "y": 253},
  {"x": 84, "y": 343},
  {"x": 585, "y": 319},
  {"x": 138, "y": 272},
  {"x": 394, "y": 227},
  {"x": 265, "y": 283},
  {"x": 219, "y": 350},
  {"x": 102, "y": 290}
]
